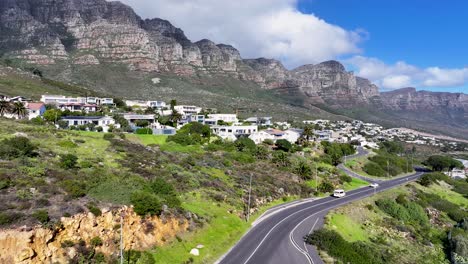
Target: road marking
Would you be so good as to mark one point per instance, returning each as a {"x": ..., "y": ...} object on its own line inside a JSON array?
[
  {"x": 284, "y": 219},
  {"x": 307, "y": 208},
  {"x": 291, "y": 234}
]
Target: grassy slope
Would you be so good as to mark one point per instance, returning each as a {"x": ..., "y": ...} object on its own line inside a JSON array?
[{"x": 16, "y": 82}]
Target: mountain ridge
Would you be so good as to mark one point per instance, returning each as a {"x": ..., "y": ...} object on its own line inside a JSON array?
[{"x": 73, "y": 39}]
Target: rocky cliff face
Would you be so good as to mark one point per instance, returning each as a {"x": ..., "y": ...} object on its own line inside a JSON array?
[
  {"x": 43, "y": 245},
  {"x": 412, "y": 100},
  {"x": 92, "y": 32}
]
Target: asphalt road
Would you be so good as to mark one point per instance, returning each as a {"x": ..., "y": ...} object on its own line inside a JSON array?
[{"x": 278, "y": 237}]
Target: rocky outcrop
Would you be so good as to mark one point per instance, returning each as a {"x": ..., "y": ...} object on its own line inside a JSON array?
[
  {"x": 43, "y": 245},
  {"x": 91, "y": 32},
  {"x": 410, "y": 99}
]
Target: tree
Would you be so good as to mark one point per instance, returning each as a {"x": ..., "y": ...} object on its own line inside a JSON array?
[
  {"x": 304, "y": 170},
  {"x": 19, "y": 110},
  {"x": 245, "y": 144},
  {"x": 5, "y": 107},
  {"x": 173, "y": 103},
  {"x": 175, "y": 117},
  {"x": 440, "y": 163},
  {"x": 281, "y": 158},
  {"x": 284, "y": 145},
  {"x": 52, "y": 115},
  {"x": 308, "y": 132}
]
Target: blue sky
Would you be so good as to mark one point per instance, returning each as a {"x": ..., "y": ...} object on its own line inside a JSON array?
[
  {"x": 394, "y": 43},
  {"x": 424, "y": 33}
]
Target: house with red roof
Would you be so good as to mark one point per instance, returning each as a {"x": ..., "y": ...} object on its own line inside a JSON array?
[{"x": 35, "y": 109}]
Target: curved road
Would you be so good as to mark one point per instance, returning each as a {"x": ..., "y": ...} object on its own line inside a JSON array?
[{"x": 278, "y": 237}]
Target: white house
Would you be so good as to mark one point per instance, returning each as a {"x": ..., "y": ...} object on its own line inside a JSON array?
[
  {"x": 35, "y": 110},
  {"x": 291, "y": 135},
  {"x": 260, "y": 136},
  {"x": 145, "y": 104},
  {"x": 78, "y": 107},
  {"x": 229, "y": 132},
  {"x": 261, "y": 121},
  {"x": 103, "y": 121},
  {"x": 186, "y": 110},
  {"x": 227, "y": 118},
  {"x": 324, "y": 135}
]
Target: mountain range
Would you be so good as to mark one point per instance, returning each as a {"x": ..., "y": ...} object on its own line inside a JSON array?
[{"x": 106, "y": 46}]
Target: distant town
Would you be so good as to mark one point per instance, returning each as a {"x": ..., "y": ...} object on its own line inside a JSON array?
[{"x": 161, "y": 118}]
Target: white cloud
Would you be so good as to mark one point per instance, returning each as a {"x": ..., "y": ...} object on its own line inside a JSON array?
[
  {"x": 401, "y": 74},
  {"x": 259, "y": 28}
]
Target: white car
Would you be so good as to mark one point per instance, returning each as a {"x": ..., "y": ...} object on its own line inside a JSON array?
[
  {"x": 374, "y": 185},
  {"x": 339, "y": 193}
]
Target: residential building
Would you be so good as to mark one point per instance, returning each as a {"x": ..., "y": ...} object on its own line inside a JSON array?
[
  {"x": 102, "y": 121},
  {"x": 226, "y": 118},
  {"x": 61, "y": 99},
  {"x": 134, "y": 118},
  {"x": 323, "y": 135},
  {"x": 233, "y": 132},
  {"x": 260, "y": 121},
  {"x": 186, "y": 110},
  {"x": 78, "y": 107},
  {"x": 145, "y": 104},
  {"x": 104, "y": 101},
  {"x": 21, "y": 99},
  {"x": 35, "y": 109},
  {"x": 159, "y": 129},
  {"x": 260, "y": 136}
]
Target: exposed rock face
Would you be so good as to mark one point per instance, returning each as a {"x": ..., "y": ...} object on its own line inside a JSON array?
[
  {"x": 410, "y": 99},
  {"x": 41, "y": 245},
  {"x": 90, "y": 32}
]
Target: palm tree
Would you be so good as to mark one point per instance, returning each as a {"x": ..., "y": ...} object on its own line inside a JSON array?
[
  {"x": 175, "y": 117},
  {"x": 19, "y": 109},
  {"x": 5, "y": 107},
  {"x": 308, "y": 132}
]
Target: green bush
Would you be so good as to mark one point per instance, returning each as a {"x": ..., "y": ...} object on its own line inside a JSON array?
[
  {"x": 42, "y": 216},
  {"x": 16, "y": 147},
  {"x": 96, "y": 242},
  {"x": 429, "y": 178},
  {"x": 261, "y": 153},
  {"x": 75, "y": 189},
  {"x": 67, "y": 244},
  {"x": 346, "y": 252},
  {"x": 166, "y": 191},
  {"x": 304, "y": 170},
  {"x": 345, "y": 178},
  {"x": 245, "y": 144},
  {"x": 7, "y": 218},
  {"x": 145, "y": 203},
  {"x": 281, "y": 159},
  {"x": 67, "y": 144},
  {"x": 108, "y": 136},
  {"x": 68, "y": 161},
  {"x": 326, "y": 187},
  {"x": 94, "y": 209},
  {"x": 439, "y": 163},
  {"x": 283, "y": 145},
  {"x": 452, "y": 210},
  {"x": 38, "y": 121},
  {"x": 374, "y": 169}
]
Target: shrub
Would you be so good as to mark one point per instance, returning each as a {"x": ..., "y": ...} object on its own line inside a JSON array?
[
  {"x": 68, "y": 161},
  {"x": 42, "y": 216},
  {"x": 16, "y": 147},
  {"x": 67, "y": 244},
  {"x": 108, "y": 136},
  {"x": 75, "y": 189},
  {"x": 9, "y": 218},
  {"x": 37, "y": 121},
  {"x": 374, "y": 169},
  {"x": 281, "y": 159},
  {"x": 345, "y": 178},
  {"x": 67, "y": 144},
  {"x": 145, "y": 203},
  {"x": 245, "y": 144},
  {"x": 261, "y": 153},
  {"x": 94, "y": 209},
  {"x": 401, "y": 199},
  {"x": 326, "y": 186},
  {"x": 96, "y": 242},
  {"x": 99, "y": 129},
  {"x": 284, "y": 145},
  {"x": 347, "y": 252},
  {"x": 166, "y": 191},
  {"x": 144, "y": 131},
  {"x": 429, "y": 178},
  {"x": 303, "y": 169}
]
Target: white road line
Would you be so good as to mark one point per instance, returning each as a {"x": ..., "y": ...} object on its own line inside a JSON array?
[
  {"x": 291, "y": 234},
  {"x": 284, "y": 219}
]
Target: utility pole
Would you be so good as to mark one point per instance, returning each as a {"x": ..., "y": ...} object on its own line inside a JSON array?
[
  {"x": 388, "y": 169},
  {"x": 250, "y": 192},
  {"x": 316, "y": 178}
]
